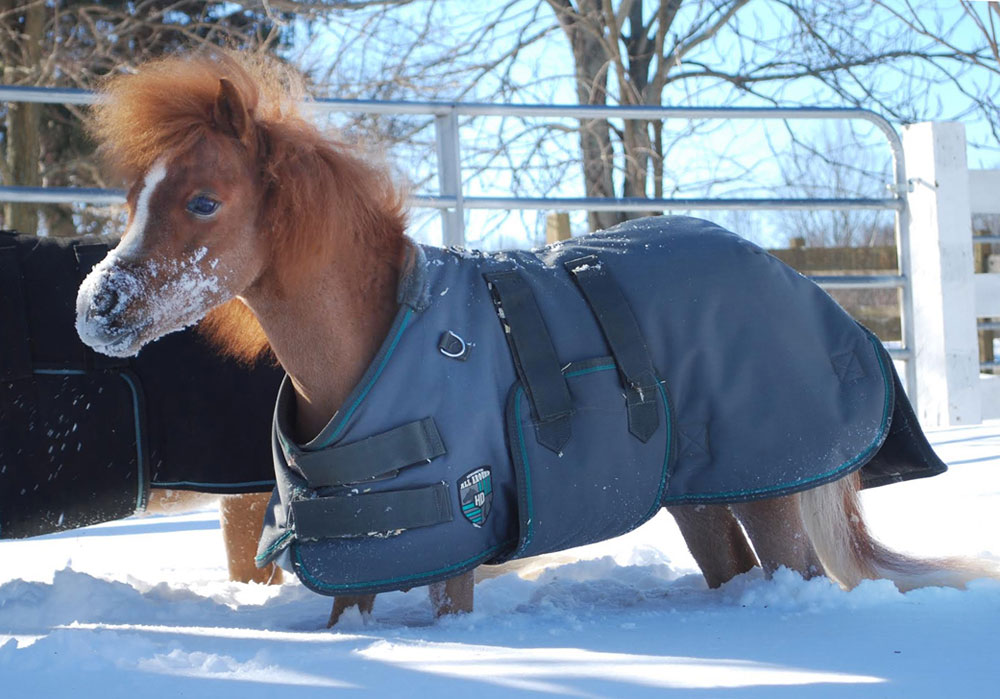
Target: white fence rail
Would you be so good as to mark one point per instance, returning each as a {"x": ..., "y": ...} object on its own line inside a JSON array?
[{"x": 984, "y": 191}]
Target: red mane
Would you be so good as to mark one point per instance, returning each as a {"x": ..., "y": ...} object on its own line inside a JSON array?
[{"x": 318, "y": 192}]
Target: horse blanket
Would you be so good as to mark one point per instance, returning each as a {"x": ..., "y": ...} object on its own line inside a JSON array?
[
  {"x": 83, "y": 437},
  {"x": 526, "y": 402}
]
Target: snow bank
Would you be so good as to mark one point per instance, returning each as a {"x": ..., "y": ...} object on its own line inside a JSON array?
[{"x": 144, "y": 606}]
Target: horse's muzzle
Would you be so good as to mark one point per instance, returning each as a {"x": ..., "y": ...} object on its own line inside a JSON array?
[{"x": 102, "y": 310}]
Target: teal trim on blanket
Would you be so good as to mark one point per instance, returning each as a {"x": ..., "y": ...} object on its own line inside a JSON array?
[
  {"x": 657, "y": 503},
  {"x": 591, "y": 370},
  {"x": 418, "y": 579},
  {"x": 530, "y": 499},
  {"x": 261, "y": 558},
  {"x": 140, "y": 500},
  {"x": 664, "y": 477},
  {"x": 368, "y": 387},
  {"x": 196, "y": 484}
]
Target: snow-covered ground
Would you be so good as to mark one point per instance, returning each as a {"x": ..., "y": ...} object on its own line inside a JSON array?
[{"x": 143, "y": 607}]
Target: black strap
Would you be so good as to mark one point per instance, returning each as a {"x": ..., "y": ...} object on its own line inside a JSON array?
[
  {"x": 375, "y": 457},
  {"x": 15, "y": 347},
  {"x": 88, "y": 255},
  {"x": 622, "y": 332},
  {"x": 371, "y": 513},
  {"x": 534, "y": 357}
]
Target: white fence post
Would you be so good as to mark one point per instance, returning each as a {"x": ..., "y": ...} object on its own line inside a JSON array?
[{"x": 946, "y": 349}]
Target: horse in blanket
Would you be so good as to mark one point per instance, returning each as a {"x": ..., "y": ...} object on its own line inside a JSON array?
[{"x": 444, "y": 409}]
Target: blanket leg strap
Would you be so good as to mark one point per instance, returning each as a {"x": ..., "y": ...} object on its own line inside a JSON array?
[
  {"x": 371, "y": 513},
  {"x": 534, "y": 357},
  {"x": 379, "y": 456},
  {"x": 621, "y": 330}
]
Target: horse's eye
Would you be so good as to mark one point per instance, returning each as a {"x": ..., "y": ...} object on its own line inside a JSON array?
[{"x": 203, "y": 205}]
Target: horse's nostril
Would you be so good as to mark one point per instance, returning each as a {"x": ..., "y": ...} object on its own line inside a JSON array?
[{"x": 104, "y": 301}]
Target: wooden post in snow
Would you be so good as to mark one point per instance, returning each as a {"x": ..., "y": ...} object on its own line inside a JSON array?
[{"x": 557, "y": 228}]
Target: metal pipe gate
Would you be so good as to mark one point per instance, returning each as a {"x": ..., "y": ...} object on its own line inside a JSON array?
[{"x": 452, "y": 202}]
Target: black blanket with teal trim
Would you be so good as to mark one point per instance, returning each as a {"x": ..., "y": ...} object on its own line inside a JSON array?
[{"x": 83, "y": 437}]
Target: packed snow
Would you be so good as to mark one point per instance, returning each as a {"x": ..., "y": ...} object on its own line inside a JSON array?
[{"x": 144, "y": 606}]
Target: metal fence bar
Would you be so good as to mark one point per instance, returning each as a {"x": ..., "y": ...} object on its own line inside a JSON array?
[
  {"x": 73, "y": 195},
  {"x": 51, "y": 95},
  {"x": 674, "y": 204},
  {"x": 62, "y": 195},
  {"x": 452, "y": 201},
  {"x": 446, "y": 114},
  {"x": 861, "y": 281},
  {"x": 903, "y": 259},
  {"x": 46, "y": 95},
  {"x": 902, "y": 354},
  {"x": 900, "y": 186},
  {"x": 449, "y": 162}
]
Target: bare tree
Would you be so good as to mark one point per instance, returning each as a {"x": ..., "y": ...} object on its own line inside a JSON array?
[
  {"x": 839, "y": 162},
  {"x": 73, "y": 44},
  {"x": 24, "y": 25},
  {"x": 782, "y": 52},
  {"x": 907, "y": 60}
]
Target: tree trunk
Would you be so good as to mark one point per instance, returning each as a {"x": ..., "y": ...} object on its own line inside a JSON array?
[
  {"x": 23, "y": 119},
  {"x": 591, "y": 62},
  {"x": 637, "y": 145}
]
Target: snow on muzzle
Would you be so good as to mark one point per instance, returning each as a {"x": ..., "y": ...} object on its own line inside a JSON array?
[{"x": 122, "y": 306}]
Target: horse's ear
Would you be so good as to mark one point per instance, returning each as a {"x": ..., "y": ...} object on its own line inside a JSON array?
[{"x": 230, "y": 114}]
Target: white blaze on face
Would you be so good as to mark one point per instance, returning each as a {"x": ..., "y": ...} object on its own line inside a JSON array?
[
  {"x": 127, "y": 301},
  {"x": 132, "y": 240}
]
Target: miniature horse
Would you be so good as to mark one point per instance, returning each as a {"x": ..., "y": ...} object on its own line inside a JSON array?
[{"x": 290, "y": 241}]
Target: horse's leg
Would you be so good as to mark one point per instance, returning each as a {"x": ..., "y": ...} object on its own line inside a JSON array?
[
  {"x": 778, "y": 535},
  {"x": 341, "y": 603},
  {"x": 167, "y": 501},
  {"x": 241, "y": 517},
  {"x": 454, "y": 595},
  {"x": 715, "y": 539}
]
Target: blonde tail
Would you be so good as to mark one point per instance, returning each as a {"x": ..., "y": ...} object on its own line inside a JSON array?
[{"x": 835, "y": 523}]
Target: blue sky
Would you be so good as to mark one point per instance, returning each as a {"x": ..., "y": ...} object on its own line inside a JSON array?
[{"x": 719, "y": 159}]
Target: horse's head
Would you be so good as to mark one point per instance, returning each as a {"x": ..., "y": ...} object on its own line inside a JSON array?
[
  {"x": 235, "y": 194},
  {"x": 192, "y": 241}
]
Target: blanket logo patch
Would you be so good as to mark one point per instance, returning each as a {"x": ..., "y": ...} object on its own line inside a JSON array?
[{"x": 475, "y": 492}]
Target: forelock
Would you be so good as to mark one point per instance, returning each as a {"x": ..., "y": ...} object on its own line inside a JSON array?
[{"x": 167, "y": 104}]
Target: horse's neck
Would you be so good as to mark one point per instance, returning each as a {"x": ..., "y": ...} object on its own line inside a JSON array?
[{"x": 326, "y": 332}]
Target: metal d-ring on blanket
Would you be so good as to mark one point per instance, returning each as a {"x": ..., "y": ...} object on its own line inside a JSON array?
[{"x": 453, "y": 346}]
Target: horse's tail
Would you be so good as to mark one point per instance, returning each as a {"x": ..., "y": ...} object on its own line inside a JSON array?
[{"x": 834, "y": 521}]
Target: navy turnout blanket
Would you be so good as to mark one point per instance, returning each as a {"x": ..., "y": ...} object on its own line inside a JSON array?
[{"x": 526, "y": 402}]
